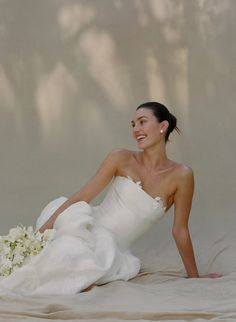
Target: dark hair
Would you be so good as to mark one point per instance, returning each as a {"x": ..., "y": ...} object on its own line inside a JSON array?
[{"x": 162, "y": 113}]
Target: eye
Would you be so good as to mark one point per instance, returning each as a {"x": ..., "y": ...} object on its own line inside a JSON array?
[{"x": 142, "y": 121}]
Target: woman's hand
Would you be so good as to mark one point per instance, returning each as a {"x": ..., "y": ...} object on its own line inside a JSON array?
[{"x": 213, "y": 275}]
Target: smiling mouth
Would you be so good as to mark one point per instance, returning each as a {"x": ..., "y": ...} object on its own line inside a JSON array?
[{"x": 141, "y": 137}]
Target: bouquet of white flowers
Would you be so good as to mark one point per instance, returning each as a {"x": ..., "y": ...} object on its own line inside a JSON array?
[{"x": 19, "y": 245}]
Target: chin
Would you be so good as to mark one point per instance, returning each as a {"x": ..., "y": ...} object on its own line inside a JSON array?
[
  {"x": 145, "y": 145},
  {"x": 142, "y": 145}
]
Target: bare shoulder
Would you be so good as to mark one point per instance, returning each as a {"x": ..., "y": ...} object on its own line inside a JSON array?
[
  {"x": 184, "y": 175},
  {"x": 184, "y": 171},
  {"x": 121, "y": 154},
  {"x": 122, "y": 158}
]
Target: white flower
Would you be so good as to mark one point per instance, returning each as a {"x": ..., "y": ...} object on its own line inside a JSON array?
[
  {"x": 7, "y": 265},
  {"x": 15, "y": 233},
  {"x": 18, "y": 259},
  {"x": 19, "y": 246},
  {"x": 48, "y": 234},
  {"x": 30, "y": 231},
  {"x": 4, "y": 249}
]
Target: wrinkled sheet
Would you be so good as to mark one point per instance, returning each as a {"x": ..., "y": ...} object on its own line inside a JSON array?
[{"x": 160, "y": 292}]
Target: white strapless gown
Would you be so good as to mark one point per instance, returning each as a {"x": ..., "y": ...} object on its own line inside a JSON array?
[{"x": 91, "y": 244}]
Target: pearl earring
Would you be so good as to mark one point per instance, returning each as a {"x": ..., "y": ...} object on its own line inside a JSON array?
[{"x": 161, "y": 131}]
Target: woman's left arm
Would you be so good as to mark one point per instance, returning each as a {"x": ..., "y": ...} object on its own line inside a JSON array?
[{"x": 183, "y": 202}]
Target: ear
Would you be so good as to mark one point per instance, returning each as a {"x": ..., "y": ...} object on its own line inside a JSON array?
[{"x": 164, "y": 125}]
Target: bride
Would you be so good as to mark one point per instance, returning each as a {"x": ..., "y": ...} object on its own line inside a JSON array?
[{"x": 91, "y": 243}]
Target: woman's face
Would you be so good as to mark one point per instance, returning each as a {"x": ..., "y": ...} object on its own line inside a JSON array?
[{"x": 146, "y": 128}]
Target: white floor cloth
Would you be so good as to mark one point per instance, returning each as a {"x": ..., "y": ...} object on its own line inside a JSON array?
[{"x": 159, "y": 292}]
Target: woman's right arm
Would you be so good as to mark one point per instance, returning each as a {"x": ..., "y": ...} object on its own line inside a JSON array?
[{"x": 95, "y": 185}]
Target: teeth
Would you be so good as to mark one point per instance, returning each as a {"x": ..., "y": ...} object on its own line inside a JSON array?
[{"x": 141, "y": 137}]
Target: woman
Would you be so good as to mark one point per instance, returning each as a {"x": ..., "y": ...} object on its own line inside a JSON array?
[{"x": 91, "y": 244}]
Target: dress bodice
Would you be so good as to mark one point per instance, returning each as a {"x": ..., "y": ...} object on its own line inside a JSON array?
[{"x": 127, "y": 210}]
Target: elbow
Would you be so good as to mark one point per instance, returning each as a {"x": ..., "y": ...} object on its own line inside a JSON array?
[{"x": 180, "y": 233}]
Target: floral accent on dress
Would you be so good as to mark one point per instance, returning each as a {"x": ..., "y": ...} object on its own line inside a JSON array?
[{"x": 157, "y": 200}]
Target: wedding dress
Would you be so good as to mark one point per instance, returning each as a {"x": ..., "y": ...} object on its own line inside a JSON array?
[{"x": 91, "y": 244}]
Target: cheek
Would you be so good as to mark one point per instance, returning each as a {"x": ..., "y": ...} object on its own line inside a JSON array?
[{"x": 154, "y": 129}]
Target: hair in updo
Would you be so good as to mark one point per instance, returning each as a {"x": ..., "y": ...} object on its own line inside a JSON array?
[{"x": 162, "y": 113}]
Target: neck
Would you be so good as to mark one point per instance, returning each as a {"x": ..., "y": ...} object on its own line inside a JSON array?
[{"x": 155, "y": 158}]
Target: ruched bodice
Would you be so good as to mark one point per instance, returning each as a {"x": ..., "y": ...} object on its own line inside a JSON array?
[
  {"x": 91, "y": 243},
  {"x": 128, "y": 211}
]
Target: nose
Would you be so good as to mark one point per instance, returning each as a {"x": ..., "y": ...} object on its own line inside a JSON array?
[
  {"x": 135, "y": 128},
  {"x": 136, "y": 132}
]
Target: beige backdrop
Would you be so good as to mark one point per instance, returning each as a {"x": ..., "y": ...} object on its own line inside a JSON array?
[{"x": 72, "y": 73}]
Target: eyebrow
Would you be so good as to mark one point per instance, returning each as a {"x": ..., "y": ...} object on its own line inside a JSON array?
[{"x": 140, "y": 117}]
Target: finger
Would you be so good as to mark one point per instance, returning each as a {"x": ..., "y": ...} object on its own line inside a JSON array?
[{"x": 217, "y": 275}]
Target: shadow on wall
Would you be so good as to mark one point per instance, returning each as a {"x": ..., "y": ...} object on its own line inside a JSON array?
[
  {"x": 72, "y": 72},
  {"x": 91, "y": 57}
]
